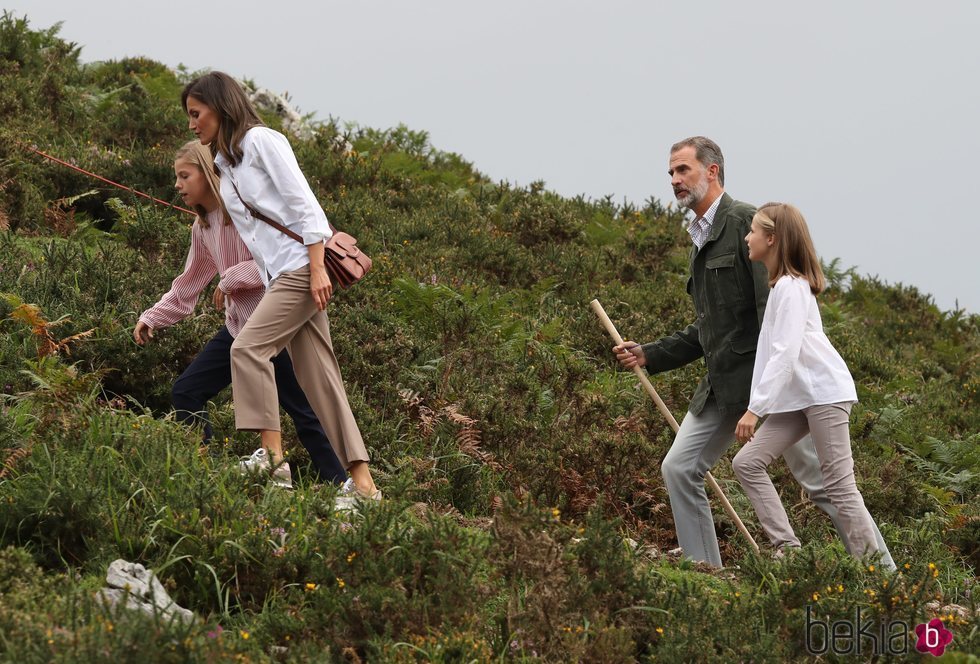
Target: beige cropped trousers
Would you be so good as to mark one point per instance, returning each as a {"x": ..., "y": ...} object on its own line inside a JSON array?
[
  {"x": 287, "y": 317},
  {"x": 828, "y": 426}
]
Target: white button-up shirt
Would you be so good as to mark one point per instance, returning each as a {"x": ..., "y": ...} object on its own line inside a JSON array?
[
  {"x": 270, "y": 180},
  {"x": 795, "y": 364}
]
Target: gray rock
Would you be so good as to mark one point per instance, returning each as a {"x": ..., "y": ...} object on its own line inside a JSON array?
[
  {"x": 138, "y": 588},
  {"x": 956, "y": 610},
  {"x": 292, "y": 121}
]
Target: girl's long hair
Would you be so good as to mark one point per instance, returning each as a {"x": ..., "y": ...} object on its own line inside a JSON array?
[
  {"x": 199, "y": 155},
  {"x": 223, "y": 95},
  {"x": 795, "y": 254}
]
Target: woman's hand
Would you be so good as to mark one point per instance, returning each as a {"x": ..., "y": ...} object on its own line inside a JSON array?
[
  {"x": 218, "y": 298},
  {"x": 142, "y": 333},
  {"x": 630, "y": 355},
  {"x": 320, "y": 285},
  {"x": 745, "y": 428}
]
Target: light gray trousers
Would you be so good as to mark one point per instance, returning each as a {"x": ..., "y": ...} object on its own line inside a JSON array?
[
  {"x": 287, "y": 317},
  {"x": 700, "y": 442},
  {"x": 828, "y": 428}
]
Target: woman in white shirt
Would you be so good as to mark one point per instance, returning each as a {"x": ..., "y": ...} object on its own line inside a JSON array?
[
  {"x": 258, "y": 167},
  {"x": 217, "y": 249},
  {"x": 800, "y": 384}
]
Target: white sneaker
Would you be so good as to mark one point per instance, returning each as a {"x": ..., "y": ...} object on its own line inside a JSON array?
[
  {"x": 282, "y": 476},
  {"x": 349, "y": 489},
  {"x": 259, "y": 462},
  {"x": 350, "y": 495}
]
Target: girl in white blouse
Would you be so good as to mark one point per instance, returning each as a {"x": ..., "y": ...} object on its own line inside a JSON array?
[
  {"x": 258, "y": 167},
  {"x": 800, "y": 384}
]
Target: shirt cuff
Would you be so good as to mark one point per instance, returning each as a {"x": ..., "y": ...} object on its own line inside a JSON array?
[{"x": 313, "y": 237}]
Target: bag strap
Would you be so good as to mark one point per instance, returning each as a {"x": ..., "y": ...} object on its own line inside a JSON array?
[{"x": 258, "y": 214}]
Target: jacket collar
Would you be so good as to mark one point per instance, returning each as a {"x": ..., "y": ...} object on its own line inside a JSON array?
[{"x": 718, "y": 225}]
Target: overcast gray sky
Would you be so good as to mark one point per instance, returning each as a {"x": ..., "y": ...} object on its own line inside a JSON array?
[{"x": 863, "y": 114}]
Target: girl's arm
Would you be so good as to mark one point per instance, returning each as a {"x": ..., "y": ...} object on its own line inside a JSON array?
[
  {"x": 179, "y": 301},
  {"x": 242, "y": 276},
  {"x": 789, "y": 299},
  {"x": 745, "y": 428},
  {"x": 239, "y": 277}
]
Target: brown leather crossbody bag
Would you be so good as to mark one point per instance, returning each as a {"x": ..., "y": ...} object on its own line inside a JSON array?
[{"x": 345, "y": 262}]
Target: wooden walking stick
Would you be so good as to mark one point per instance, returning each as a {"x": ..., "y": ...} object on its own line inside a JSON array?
[{"x": 662, "y": 407}]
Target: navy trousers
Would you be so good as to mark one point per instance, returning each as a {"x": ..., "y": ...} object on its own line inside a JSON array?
[{"x": 210, "y": 372}]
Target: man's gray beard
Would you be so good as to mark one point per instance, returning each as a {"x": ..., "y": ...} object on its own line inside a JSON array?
[{"x": 696, "y": 195}]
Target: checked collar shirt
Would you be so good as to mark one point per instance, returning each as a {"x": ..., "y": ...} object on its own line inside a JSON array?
[{"x": 700, "y": 228}]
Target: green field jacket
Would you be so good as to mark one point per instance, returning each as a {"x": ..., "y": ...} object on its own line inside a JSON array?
[{"x": 729, "y": 294}]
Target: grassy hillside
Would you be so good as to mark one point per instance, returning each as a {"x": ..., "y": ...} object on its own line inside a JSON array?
[{"x": 518, "y": 462}]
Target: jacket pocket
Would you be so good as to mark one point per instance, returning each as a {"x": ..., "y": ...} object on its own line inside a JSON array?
[
  {"x": 742, "y": 345},
  {"x": 724, "y": 260},
  {"x": 723, "y": 282}
]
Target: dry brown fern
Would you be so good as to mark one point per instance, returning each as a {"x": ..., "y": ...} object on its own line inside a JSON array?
[
  {"x": 14, "y": 456},
  {"x": 468, "y": 438},
  {"x": 32, "y": 316}
]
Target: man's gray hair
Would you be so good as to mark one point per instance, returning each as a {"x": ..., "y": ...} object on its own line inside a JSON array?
[{"x": 706, "y": 151}]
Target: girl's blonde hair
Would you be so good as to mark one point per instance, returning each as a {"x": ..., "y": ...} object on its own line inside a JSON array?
[
  {"x": 795, "y": 254},
  {"x": 226, "y": 98},
  {"x": 199, "y": 155}
]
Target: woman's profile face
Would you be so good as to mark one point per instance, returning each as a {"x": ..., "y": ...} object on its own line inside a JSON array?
[
  {"x": 191, "y": 184},
  {"x": 202, "y": 120}
]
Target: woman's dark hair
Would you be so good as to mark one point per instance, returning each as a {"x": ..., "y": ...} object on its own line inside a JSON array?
[{"x": 226, "y": 98}]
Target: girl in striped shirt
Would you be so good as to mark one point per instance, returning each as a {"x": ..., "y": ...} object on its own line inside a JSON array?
[{"x": 217, "y": 249}]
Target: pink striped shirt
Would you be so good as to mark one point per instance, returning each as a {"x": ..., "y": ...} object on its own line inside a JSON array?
[{"x": 217, "y": 249}]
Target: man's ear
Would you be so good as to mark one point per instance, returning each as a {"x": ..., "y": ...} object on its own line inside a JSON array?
[{"x": 713, "y": 171}]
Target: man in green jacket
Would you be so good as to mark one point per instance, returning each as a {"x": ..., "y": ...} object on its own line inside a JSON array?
[{"x": 729, "y": 293}]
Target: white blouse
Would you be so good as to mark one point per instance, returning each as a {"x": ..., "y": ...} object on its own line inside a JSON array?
[
  {"x": 795, "y": 364},
  {"x": 270, "y": 180}
]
